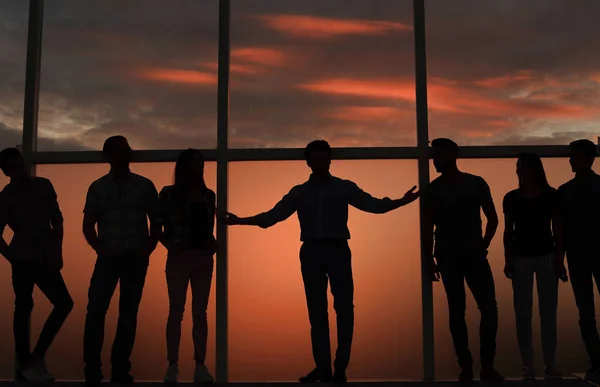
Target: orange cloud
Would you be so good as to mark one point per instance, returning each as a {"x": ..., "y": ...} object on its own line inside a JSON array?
[
  {"x": 180, "y": 76},
  {"x": 323, "y": 28},
  {"x": 505, "y": 80},
  {"x": 380, "y": 89},
  {"x": 235, "y": 68},
  {"x": 261, "y": 55},
  {"x": 368, "y": 113}
]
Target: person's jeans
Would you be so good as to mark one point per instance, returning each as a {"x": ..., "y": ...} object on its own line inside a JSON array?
[
  {"x": 323, "y": 261},
  {"x": 193, "y": 267},
  {"x": 50, "y": 281},
  {"x": 130, "y": 272},
  {"x": 583, "y": 270},
  {"x": 543, "y": 267},
  {"x": 473, "y": 268}
]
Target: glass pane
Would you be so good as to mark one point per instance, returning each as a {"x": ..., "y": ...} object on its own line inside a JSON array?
[
  {"x": 146, "y": 70},
  {"x": 7, "y": 344},
  {"x": 269, "y": 333},
  {"x": 338, "y": 70},
  {"x": 13, "y": 45},
  {"x": 149, "y": 355},
  {"x": 571, "y": 355},
  {"x": 502, "y": 73}
]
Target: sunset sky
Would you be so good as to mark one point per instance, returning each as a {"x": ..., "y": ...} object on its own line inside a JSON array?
[{"x": 500, "y": 72}]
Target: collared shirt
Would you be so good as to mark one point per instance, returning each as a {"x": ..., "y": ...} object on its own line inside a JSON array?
[
  {"x": 579, "y": 205},
  {"x": 322, "y": 208},
  {"x": 455, "y": 207},
  {"x": 179, "y": 224},
  {"x": 31, "y": 210},
  {"x": 122, "y": 209}
]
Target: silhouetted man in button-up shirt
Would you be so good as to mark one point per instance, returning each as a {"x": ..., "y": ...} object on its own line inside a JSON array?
[{"x": 322, "y": 207}]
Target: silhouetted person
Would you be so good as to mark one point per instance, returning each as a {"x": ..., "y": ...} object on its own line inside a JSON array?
[
  {"x": 120, "y": 204},
  {"x": 187, "y": 213},
  {"x": 322, "y": 207},
  {"x": 530, "y": 215},
  {"x": 580, "y": 211},
  {"x": 28, "y": 205},
  {"x": 454, "y": 202}
]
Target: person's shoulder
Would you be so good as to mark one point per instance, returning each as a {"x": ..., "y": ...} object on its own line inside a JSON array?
[
  {"x": 511, "y": 195},
  {"x": 474, "y": 178},
  {"x": 100, "y": 181},
  {"x": 143, "y": 181},
  {"x": 211, "y": 194},
  {"x": 167, "y": 190},
  {"x": 566, "y": 186}
]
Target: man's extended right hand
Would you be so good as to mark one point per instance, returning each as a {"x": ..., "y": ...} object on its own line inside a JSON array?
[{"x": 228, "y": 218}]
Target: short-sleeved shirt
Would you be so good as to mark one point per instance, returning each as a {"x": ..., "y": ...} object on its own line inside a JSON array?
[
  {"x": 579, "y": 201},
  {"x": 30, "y": 210},
  {"x": 532, "y": 222},
  {"x": 456, "y": 210},
  {"x": 188, "y": 225},
  {"x": 122, "y": 209}
]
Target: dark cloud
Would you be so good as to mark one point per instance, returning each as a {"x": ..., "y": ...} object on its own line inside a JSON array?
[{"x": 97, "y": 56}]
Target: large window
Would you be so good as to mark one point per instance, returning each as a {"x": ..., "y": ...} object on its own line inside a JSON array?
[
  {"x": 571, "y": 355},
  {"x": 269, "y": 332},
  {"x": 139, "y": 68},
  {"x": 149, "y": 355},
  {"x": 13, "y": 46},
  {"x": 513, "y": 72},
  {"x": 310, "y": 69},
  {"x": 6, "y": 307}
]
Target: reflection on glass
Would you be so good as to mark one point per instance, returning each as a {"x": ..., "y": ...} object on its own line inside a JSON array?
[
  {"x": 500, "y": 72},
  {"x": 269, "y": 334},
  {"x": 338, "y": 70},
  {"x": 571, "y": 355},
  {"x": 13, "y": 45},
  {"x": 149, "y": 355},
  {"x": 138, "y": 68}
]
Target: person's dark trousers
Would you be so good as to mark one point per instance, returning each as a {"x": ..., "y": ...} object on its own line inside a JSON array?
[
  {"x": 130, "y": 271},
  {"x": 50, "y": 281},
  {"x": 323, "y": 261},
  {"x": 474, "y": 269},
  {"x": 583, "y": 270}
]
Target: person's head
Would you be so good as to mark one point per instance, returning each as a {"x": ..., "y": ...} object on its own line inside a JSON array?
[
  {"x": 445, "y": 153},
  {"x": 12, "y": 164},
  {"x": 117, "y": 151},
  {"x": 530, "y": 171},
  {"x": 583, "y": 153},
  {"x": 189, "y": 168},
  {"x": 318, "y": 156}
]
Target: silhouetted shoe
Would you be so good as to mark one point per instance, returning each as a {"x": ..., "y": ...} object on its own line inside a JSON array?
[
  {"x": 122, "y": 379},
  {"x": 466, "y": 375},
  {"x": 202, "y": 375},
  {"x": 35, "y": 374},
  {"x": 552, "y": 373},
  {"x": 339, "y": 377},
  {"x": 489, "y": 374},
  {"x": 317, "y": 375},
  {"x": 528, "y": 373},
  {"x": 93, "y": 381}
]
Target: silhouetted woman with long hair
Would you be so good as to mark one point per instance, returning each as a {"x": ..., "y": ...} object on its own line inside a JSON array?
[
  {"x": 187, "y": 214},
  {"x": 531, "y": 221}
]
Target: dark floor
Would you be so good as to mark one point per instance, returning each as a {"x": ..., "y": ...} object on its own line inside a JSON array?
[{"x": 570, "y": 382}]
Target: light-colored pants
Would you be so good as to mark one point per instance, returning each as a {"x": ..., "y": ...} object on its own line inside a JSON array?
[
  {"x": 547, "y": 286},
  {"x": 193, "y": 267}
]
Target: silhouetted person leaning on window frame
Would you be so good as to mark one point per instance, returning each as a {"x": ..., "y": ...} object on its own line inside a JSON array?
[
  {"x": 322, "y": 207},
  {"x": 580, "y": 213},
  {"x": 454, "y": 202},
  {"x": 120, "y": 204},
  {"x": 29, "y": 206},
  {"x": 187, "y": 213},
  {"x": 530, "y": 216}
]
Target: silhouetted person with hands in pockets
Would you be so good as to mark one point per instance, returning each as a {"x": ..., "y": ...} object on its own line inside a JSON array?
[
  {"x": 580, "y": 213},
  {"x": 187, "y": 213},
  {"x": 453, "y": 203},
  {"x": 29, "y": 206},
  {"x": 530, "y": 249},
  {"x": 322, "y": 207},
  {"x": 120, "y": 204}
]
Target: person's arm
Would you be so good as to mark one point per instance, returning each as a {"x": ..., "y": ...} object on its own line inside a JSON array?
[
  {"x": 509, "y": 231},
  {"x": 489, "y": 210},
  {"x": 3, "y": 224},
  {"x": 558, "y": 229},
  {"x": 365, "y": 202},
  {"x": 152, "y": 208},
  {"x": 90, "y": 218},
  {"x": 56, "y": 217},
  {"x": 282, "y": 210},
  {"x": 428, "y": 236},
  {"x": 161, "y": 217}
]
